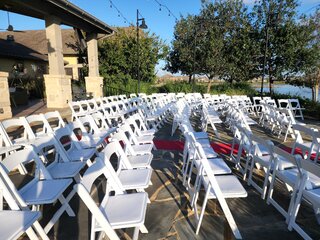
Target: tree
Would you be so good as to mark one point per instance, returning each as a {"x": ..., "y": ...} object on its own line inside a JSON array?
[
  {"x": 118, "y": 55},
  {"x": 306, "y": 62},
  {"x": 219, "y": 45},
  {"x": 181, "y": 58},
  {"x": 278, "y": 34}
]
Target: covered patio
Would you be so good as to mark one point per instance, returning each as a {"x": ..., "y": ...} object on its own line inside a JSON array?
[{"x": 57, "y": 83}]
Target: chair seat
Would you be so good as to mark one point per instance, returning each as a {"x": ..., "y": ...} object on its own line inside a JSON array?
[
  {"x": 14, "y": 223},
  {"x": 229, "y": 185},
  {"x": 81, "y": 155},
  {"x": 65, "y": 169},
  {"x": 135, "y": 178},
  {"x": 142, "y": 149},
  {"x": 127, "y": 210},
  {"x": 265, "y": 161},
  {"x": 91, "y": 142},
  {"x": 312, "y": 195},
  {"x": 200, "y": 135},
  {"x": 290, "y": 175},
  {"x": 148, "y": 132},
  {"x": 210, "y": 153},
  {"x": 217, "y": 165},
  {"x": 145, "y": 139},
  {"x": 204, "y": 143},
  {"x": 140, "y": 161},
  {"x": 44, "y": 192}
]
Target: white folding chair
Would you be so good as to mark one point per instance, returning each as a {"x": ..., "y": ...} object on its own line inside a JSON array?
[
  {"x": 217, "y": 187},
  {"x": 132, "y": 144},
  {"x": 291, "y": 177},
  {"x": 124, "y": 175},
  {"x": 74, "y": 150},
  {"x": 15, "y": 221},
  {"x": 42, "y": 189},
  {"x": 307, "y": 147},
  {"x": 136, "y": 158},
  {"x": 113, "y": 211},
  {"x": 263, "y": 160},
  {"x": 307, "y": 192},
  {"x": 296, "y": 108}
]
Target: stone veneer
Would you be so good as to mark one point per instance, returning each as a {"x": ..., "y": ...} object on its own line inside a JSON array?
[
  {"x": 5, "y": 106},
  {"x": 58, "y": 90},
  {"x": 94, "y": 86}
]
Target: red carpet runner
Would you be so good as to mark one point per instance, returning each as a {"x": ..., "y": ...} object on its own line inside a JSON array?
[{"x": 222, "y": 148}]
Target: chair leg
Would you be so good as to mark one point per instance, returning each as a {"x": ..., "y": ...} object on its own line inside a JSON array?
[
  {"x": 316, "y": 210},
  {"x": 143, "y": 229},
  {"x": 136, "y": 233},
  {"x": 202, "y": 211},
  {"x": 40, "y": 231}
]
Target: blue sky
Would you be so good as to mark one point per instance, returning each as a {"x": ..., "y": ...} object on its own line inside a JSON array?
[{"x": 158, "y": 21}]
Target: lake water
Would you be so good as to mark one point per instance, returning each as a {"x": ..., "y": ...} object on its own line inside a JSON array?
[{"x": 289, "y": 89}]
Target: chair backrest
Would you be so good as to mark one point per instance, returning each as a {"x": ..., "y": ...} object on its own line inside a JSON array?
[
  {"x": 38, "y": 124},
  {"x": 298, "y": 128},
  {"x": 282, "y": 154},
  {"x": 83, "y": 189},
  {"x": 267, "y": 144},
  {"x": 283, "y": 103},
  {"x": 101, "y": 122},
  {"x": 67, "y": 138},
  {"x": 24, "y": 156},
  {"x": 17, "y": 130},
  {"x": 121, "y": 137},
  {"x": 54, "y": 120},
  {"x": 294, "y": 103},
  {"x": 4, "y": 138}
]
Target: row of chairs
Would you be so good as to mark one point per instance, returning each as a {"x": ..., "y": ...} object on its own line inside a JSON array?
[
  {"x": 211, "y": 171},
  {"x": 300, "y": 176},
  {"x": 78, "y": 151},
  {"x": 278, "y": 120}
]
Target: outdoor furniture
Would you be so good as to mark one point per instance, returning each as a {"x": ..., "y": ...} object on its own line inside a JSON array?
[
  {"x": 291, "y": 177},
  {"x": 113, "y": 212},
  {"x": 307, "y": 147},
  {"x": 296, "y": 108},
  {"x": 15, "y": 221},
  {"x": 307, "y": 192},
  {"x": 42, "y": 189}
]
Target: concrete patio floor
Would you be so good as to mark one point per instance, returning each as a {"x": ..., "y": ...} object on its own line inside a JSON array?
[{"x": 169, "y": 215}]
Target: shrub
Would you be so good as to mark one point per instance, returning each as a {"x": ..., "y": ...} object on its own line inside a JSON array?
[{"x": 238, "y": 88}]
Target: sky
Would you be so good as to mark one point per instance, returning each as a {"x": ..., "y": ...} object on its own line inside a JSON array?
[{"x": 160, "y": 22}]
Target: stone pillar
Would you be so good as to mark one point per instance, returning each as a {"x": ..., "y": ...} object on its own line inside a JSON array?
[
  {"x": 94, "y": 83},
  {"x": 57, "y": 83},
  {"x": 5, "y": 106}
]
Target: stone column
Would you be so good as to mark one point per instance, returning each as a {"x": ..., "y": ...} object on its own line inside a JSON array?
[
  {"x": 94, "y": 83},
  {"x": 57, "y": 83},
  {"x": 5, "y": 106}
]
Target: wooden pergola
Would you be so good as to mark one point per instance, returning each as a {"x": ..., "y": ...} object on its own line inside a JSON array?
[{"x": 57, "y": 83}]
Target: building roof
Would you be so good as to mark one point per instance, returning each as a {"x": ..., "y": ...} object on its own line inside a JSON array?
[
  {"x": 67, "y": 12},
  {"x": 32, "y": 44}
]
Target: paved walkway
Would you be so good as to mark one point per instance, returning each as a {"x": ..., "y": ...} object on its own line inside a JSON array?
[{"x": 169, "y": 216}]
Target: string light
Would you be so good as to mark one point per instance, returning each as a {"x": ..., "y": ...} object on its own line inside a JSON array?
[
  {"x": 170, "y": 13},
  {"x": 125, "y": 20}
]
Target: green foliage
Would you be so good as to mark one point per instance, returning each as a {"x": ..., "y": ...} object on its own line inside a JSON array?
[
  {"x": 181, "y": 87},
  {"x": 32, "y": 82},
  {"x": 118, "y": 56},
  {"x": 181, "y": 57},
  {"x": 237, "y": 88},
  {"x": 228, "y": 41}
]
